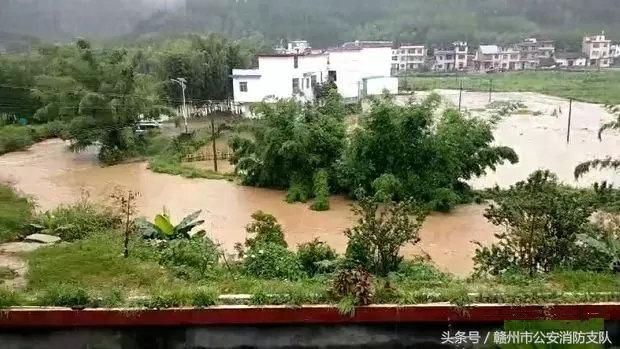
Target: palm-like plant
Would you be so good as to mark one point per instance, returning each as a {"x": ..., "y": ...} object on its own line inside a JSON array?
[
  {"x": 162, "y": 227},
  {"x": 609, "y": 162},
  {"x": 609, "y": 246}
]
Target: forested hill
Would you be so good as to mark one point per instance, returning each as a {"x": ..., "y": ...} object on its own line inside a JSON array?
[{"x": 323, "y": 22}]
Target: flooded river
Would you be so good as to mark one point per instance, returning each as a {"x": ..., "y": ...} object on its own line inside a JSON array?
[{"x": 54, "y": 176}]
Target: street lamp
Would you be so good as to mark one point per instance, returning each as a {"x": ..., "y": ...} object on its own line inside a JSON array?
[{"x": 183, "y": 83}]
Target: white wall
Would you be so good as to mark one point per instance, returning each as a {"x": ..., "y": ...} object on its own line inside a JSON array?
[
  {"x": 376, "y": 86},
  {"x": 352, "y": 66}
]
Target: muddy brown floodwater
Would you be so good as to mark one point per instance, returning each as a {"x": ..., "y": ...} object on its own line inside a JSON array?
[{"x": 55, "y": 176}]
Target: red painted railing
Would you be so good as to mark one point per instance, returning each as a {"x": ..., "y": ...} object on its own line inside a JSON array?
[{"x": 274, "y": 315}]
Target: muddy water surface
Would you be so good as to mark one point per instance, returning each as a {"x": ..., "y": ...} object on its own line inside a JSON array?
[{"x": 55, "y": 176}]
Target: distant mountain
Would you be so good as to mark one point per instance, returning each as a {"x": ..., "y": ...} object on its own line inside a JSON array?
[{"x": 323, "y": 22}]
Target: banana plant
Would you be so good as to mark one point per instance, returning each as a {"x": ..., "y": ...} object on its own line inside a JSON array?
[
  {"x": 162, "y": 227},
  {"x": 609, "y": 247}
]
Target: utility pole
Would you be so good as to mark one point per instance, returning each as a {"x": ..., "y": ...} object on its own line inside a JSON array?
[
  {"x": 183, "y": 83},
  {"x": 213, "y": 140},
  {"x": 460, "y": 94},
  {"x": 490, "y": 89},
  {"x": 570, "y": 116}
]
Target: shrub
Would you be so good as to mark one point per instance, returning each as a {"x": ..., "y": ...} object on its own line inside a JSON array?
[
  {"x": 310, "y": 255},
  {"x": 542, "y": 221},
  {"x": 13, "y": 138},
  {"x": 203, "y": 297},
  {"x": 298, "y": 191},
  {"x": 76, "y": 221},
  {"x": 444, "y": 200},
  {"x": 272, "y": 261},
  {"x": 380, "y": 233},
  {"x": 354, "y": 283},
  {"x": 15, "y": 212},
  {"x": 264, "y": 229},
  {"x": 192, "y": 258},
  {"x": 64, "y": 295},
  {"x": 8, "y": 298},
  {"x": 321, "y": 191}
]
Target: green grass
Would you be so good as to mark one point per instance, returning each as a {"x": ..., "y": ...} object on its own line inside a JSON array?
[
  {"x": 169, "y": 165},
  {"x": 95, "y": 263},
  {"x": 14, "y": 138},
  {"x": 595, "y": 87},
  {"x": 93, "y": 273},
  {"x": 15, "y": 211}
]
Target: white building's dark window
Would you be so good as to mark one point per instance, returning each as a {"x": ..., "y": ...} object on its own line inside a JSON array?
[
  {"x": 313, "y": 80},
  {"x": 296, "y": 62},
  {"x": 307, "y": 83},
  {"x": 295, "y": 84},
  {"x": 243, "y": 86},
  {"x": 332, "y": 76}
]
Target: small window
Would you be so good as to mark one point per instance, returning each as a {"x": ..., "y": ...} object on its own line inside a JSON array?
[
  {"x": 333, "y": 77},
  {"x": 460, "y": 65},
  {"x": 307, "y": 83},
  {"x": 394, "y": 58},
  {"x": 596, "y": 45},
  {"x": 461, "y": 56},
  {"x": 295, "y": 85},
  {"x": 296, "y": 62},
  {"x": 243, "y": 86},
  {"x": 313, "y": 80}
]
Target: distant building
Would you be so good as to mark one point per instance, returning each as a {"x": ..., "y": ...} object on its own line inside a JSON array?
[
  {"x": 614, "y": 52},
  {"x": 294, "y": 47},
  {"x": 496, "y": 58},
  {"x": 408, "y": 57},
  {"x": 533, "y": 52},
  {"x": 357, "y": 70},
  {"x": 597, "y": 49},
  {"x": 454, "y": 58},
  {"x": 570, "y": 59}
]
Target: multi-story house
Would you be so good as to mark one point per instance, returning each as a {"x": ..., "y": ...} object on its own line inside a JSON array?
[
  {"x": 597, "y": 49},
  {"x": 357, "y": 71},
  {"x": 493, "y": 57},
  {"x": 454, "y": 58},
  {"x": 614, "y": 52},
  {"x": 534, "y": 52},
  {"x": 408, "y": 57}
]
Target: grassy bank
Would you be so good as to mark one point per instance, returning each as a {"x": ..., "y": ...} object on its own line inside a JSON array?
[
  {"x": 15, "y": 212},
  {"x": 14, "y": 138},
  {"x": 595, "y": 87},
  {"x": 93, "y": 272}
]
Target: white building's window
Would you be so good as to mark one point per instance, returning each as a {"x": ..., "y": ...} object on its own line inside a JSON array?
[
  {"x": 296, "y": 62},
  {"x": 394, "y": 58},
  {"x": 461, "y": 56},
  {"x": 313, "y": 80},
  {"x": 243, "y": 86},
  {"x": 307, "y": 83},
  {"x": 295, "y": 85}
]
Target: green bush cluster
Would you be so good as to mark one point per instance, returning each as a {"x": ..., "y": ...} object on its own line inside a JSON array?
[
  {"x": 76, "y": 221},
  {"x": 15, "y": 213},
  {"x": 190, "y": 258},
  {"x": 13, "y": 138},
  {"x": 316, "y": 256}
]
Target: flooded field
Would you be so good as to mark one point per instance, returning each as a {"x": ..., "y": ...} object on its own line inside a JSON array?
[
  {"x": 54, "y": 176},
  {"x": 539, "y": 137}
]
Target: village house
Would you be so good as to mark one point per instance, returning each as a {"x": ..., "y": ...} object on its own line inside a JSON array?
[
  {"x": 454, "y": 58},
  {"x": 597, "y": 49},
  {"x": 294, "y": 47},
  {"x": 570, "y": 59},
  {"x": 358, "y": 70},
  {"x": 487, "y": 58},
  {"x": 408, "y": 57},
  {"x": 534, "y": 53},
  {"x": 614, "y": 52}
]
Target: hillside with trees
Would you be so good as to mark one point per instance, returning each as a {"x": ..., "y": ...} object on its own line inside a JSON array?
[{"x": 323, "y": 22}]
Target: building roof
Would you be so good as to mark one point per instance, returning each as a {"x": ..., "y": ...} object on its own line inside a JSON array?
[
  {"x": 368, "y": 44},
  {"x": 246, "y": 73},
  {"x": 489, "y": 49}
]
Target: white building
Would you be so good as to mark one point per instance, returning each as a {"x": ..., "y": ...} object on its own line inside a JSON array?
[
  {"x": 295, "y": 47},
  {"x": 408, "y": 57},
  {"x": 357, "y": 71},
  {"x": 534, "y": 52},
  {"x": 570, "y": 59},
  {"x": 615, "y": 53},
  {"x": 454, "y": 58},
  {"x": 597, "y": 49},
  {"x": 493, "y": 57}
]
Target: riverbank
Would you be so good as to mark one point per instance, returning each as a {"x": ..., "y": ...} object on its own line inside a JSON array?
[{"x": 592, "y": 87}]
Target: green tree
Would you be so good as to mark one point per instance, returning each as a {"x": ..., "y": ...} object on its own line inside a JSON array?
[{"x": 540, "y": 221}]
